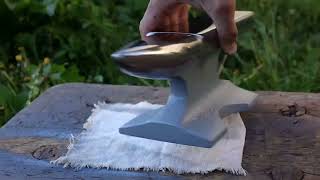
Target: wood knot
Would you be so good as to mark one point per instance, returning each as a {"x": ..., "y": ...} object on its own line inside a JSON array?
[
  {"x": 293, "y": 110},
  {"x": 49, "y": 152}
]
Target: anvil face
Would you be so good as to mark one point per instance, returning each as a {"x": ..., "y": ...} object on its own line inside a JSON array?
[{"x": 158, "y": 58}]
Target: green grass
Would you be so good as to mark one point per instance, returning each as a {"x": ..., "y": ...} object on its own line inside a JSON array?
[{"x": 280, "y": 51}]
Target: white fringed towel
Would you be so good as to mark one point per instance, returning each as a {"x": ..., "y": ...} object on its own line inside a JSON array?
[{"x": 101, "y": 146}]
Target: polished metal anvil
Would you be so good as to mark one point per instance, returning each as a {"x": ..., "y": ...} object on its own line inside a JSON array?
[{"x": 198, "y": 100}]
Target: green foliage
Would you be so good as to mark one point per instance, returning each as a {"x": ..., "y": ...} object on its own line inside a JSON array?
[
  {"x": 74, "y": 31},
  {"x": 48, "y": 42},
  {"x": 22, "y": 82},
  {"x": 281, "y": 51},
  {"x": 76, "y": 36}
]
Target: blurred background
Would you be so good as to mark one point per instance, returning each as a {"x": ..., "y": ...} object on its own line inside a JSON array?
[{"x": 49, "y": 42}]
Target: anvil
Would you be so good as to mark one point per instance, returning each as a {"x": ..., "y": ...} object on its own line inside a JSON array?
[{"x": 198, "y": 99}]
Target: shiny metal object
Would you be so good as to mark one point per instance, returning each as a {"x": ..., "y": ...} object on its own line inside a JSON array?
[{"x": 198, "y": 100}]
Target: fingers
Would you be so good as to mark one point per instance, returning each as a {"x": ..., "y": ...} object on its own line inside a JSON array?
[
  {"x": 179, "y": 21},
  {"x": 222, "y": 12},
  {"x": 183, "y": 14},
  {"x": 154, "y": 23},
  {"x": 173, "y": 18}
]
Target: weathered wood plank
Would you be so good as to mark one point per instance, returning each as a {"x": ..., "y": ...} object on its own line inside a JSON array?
[{"x": 282, "y": 142}]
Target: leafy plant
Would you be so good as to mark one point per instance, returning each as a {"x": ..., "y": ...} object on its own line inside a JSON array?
[{"x": 23, "y": 82}]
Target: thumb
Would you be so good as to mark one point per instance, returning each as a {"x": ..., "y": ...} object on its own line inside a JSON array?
[{"x": 222, "y": 13}]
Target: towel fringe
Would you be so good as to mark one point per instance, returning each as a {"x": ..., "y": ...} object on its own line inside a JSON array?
[{"x": 74, "y": 162}]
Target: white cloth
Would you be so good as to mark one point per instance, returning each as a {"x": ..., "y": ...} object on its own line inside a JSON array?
[{"x": 101, "y": 146}]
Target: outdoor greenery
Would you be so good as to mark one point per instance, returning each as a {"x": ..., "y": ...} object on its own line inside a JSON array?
[{"x": 48, "y": 42}]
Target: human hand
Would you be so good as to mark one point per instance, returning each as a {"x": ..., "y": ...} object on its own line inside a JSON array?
[{"x": 172, "y": 16}]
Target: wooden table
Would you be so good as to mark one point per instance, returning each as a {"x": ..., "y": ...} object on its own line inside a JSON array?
[{"x": 282, "y": 141}]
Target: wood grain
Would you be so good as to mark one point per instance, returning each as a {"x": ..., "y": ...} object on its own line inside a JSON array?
[{"x": 282, "y": 140}]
